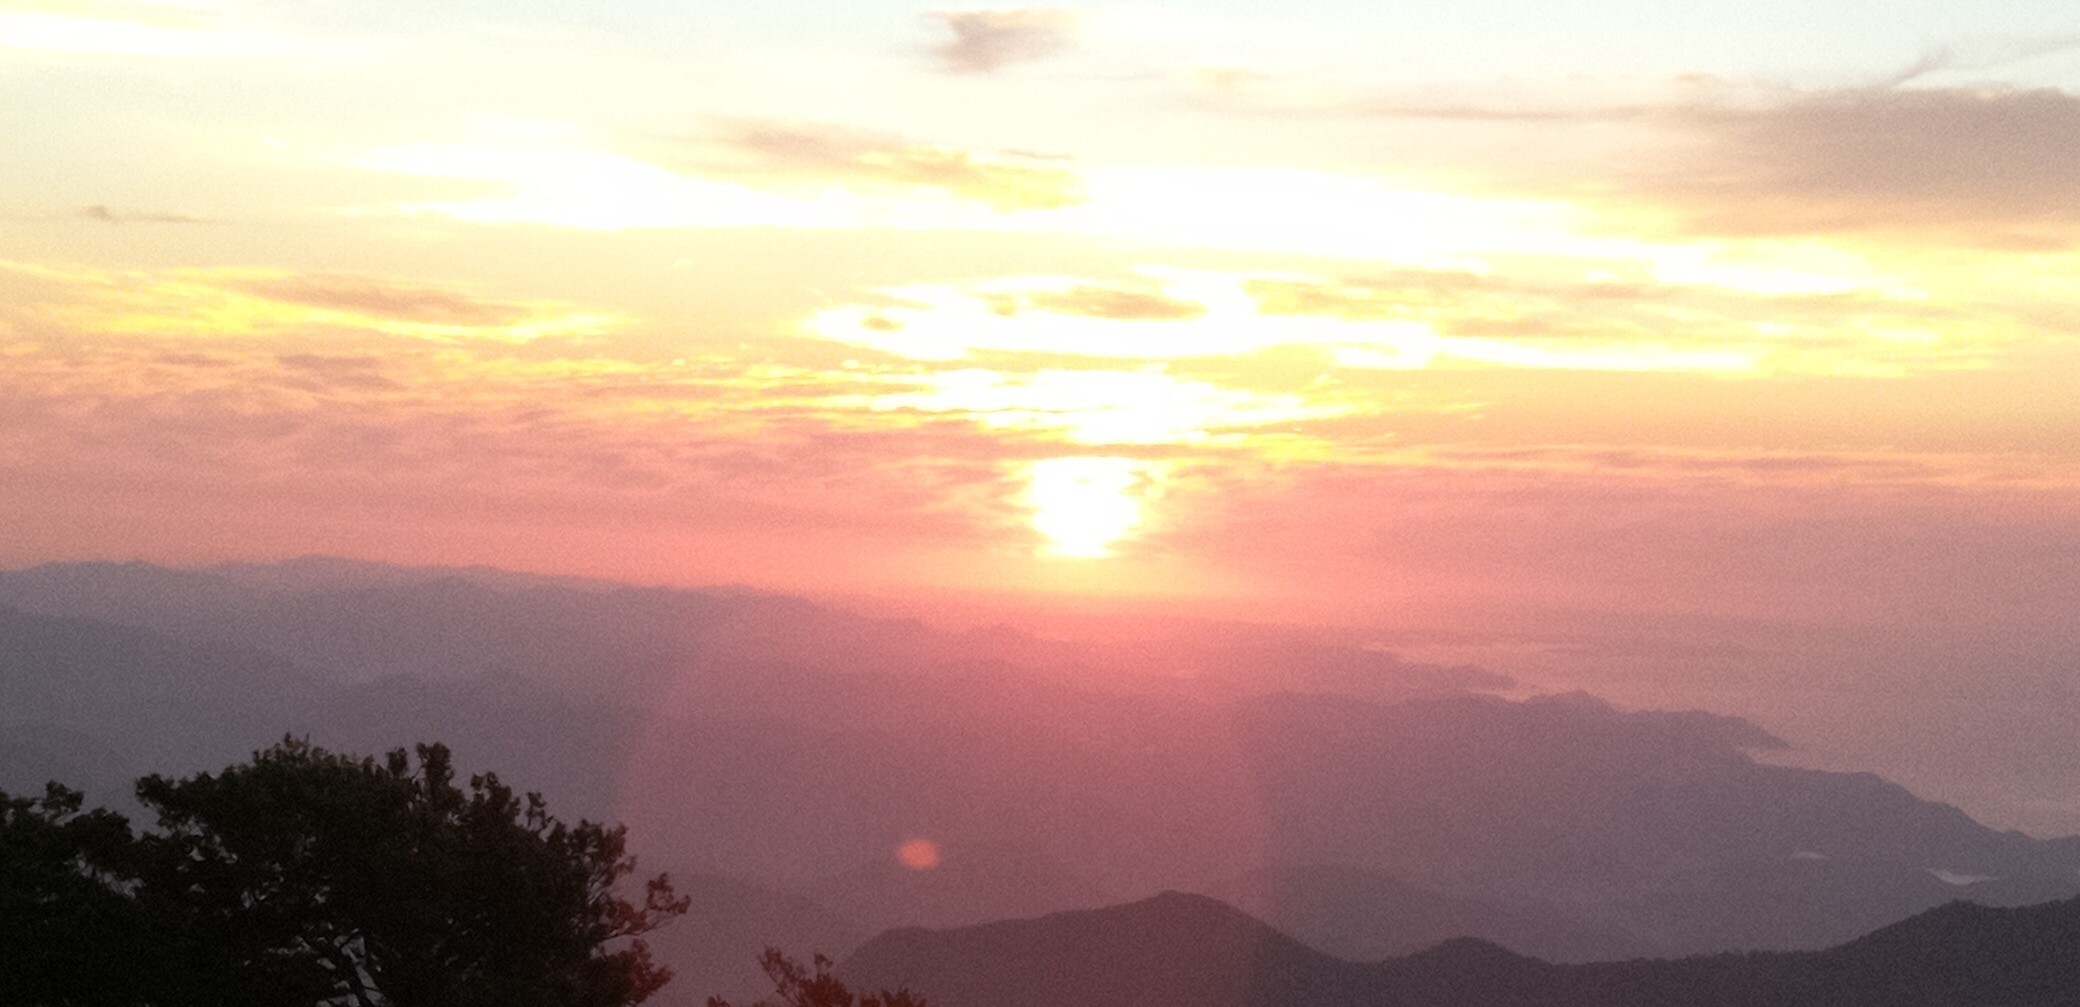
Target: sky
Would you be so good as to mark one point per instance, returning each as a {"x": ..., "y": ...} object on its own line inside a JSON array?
[{"x": 1600, "y": 340}]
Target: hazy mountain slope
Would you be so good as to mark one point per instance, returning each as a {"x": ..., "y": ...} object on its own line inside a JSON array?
[
  {"x": 575, "y": 750},
  {"x": 1170, "y": 949},
  {"x": 438, "y": 623},
  {"x": 1567, "y": 801},
  {"x": 33, "y": 754},
  {"x": 118, "y": 701},
  {"x": 1362, "y": 916},
  {"x": 374, "y": 620},
  {"x": 776, "y": 740},
  {"x": 1188, "y": 951}
]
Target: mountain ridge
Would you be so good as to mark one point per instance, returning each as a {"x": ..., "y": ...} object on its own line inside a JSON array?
[
  {"x": 1178, "y": 950},
  {"x": 799, "y": 752}
]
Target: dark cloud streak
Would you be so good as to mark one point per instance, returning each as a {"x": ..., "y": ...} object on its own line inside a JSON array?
[
  {"x": 107, "y": 215},
  {"x": 985, "y": 41},
  {"x": 1951, "y": 57},
  {"x": 385, "y": 300},
  {"x": 1990, "y": 159},
  {"x": 1987, "y": 165}
]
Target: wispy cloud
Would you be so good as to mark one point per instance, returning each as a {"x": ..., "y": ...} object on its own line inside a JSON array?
[
  {"x": 1698, "y": 317},
  {"x": 823, "y": 152},
  {"x": 1476, "y": 112},
  {"x": 382, "y": 299},
  {"x": 240, "y": 303},
  {"x": 985, "y": 41},
  {"x": 103, "y": 213},
  {"x": 1984, "y": 55},
  {"x": 759, "y": 175},
  {"x": 1098, "y": 300}
]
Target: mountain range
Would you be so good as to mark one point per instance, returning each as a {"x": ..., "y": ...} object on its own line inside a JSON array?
[
  {"x": 782, "y": 751},
  {"x": 1177, "y": 950}
]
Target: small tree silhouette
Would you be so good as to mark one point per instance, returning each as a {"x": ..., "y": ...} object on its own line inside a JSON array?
[{"x": 816, "y": 987}]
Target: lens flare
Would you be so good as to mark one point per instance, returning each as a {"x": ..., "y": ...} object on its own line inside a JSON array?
[{"x": 918, "y": 854}]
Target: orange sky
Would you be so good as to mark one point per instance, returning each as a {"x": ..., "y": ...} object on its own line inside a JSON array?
[
  {"x": 1696, "y": 354},
  {"x": 1343, "y": 313}
]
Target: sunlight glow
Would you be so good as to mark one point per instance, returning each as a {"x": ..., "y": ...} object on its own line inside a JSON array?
[
  {"x": 1083, "y": 505},
  {"x": 158, "y": 28},
  {"x": 1064, "y": 317},
  {"x": 592, "y": 190},
  {"x": 568, "y": 183},
  {"x": 558, "y": 180},
  {"x": 1145, "y": 406},
  {"x": 1313, "y": 213},
  {"x": 942, "y": 322}
]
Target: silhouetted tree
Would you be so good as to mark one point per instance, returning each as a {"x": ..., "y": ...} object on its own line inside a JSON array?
[
  {"x": 799, "y": 987},
  {"x": 69, "y": 931},
  {"x": 306, "y": 877}
]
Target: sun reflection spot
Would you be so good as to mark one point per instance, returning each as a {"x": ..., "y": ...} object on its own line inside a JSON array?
[
  {"x": 918, "y": 854},
  {"x": 1081, "y": 506}
]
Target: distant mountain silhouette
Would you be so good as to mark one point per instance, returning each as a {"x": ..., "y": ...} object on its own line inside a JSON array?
[
  {"x": 1190, "y": 951},
  {"x": 1169, "y": 949},
  {"x": 115, "y": 701},
  {"x": 371, "y": 620},
  {"x": 1363, "y": 915},
  {"x": 366, "y": 620},
  {"x": 1567, "y": 801},
  {"x": 789, "y": 744}
]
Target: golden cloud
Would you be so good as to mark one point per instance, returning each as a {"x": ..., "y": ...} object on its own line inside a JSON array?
[
  {"x": 821, "y": 152},
  {"x": 1436, "y": 319},
  {"x": 1095, "y": 301},
  {"x": 259, "y": 302}
]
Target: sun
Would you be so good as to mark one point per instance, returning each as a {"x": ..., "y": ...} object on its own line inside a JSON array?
[{"x": 1081, "y": 506}]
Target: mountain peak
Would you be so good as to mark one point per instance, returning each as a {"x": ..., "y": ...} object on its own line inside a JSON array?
[{"x": 1462, "y": 951}]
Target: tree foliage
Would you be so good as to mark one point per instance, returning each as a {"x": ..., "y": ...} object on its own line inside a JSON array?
[
  {"x": 817, "y": 987},
  {"x": 68, "y": 932},
  {"x": 307, "y": 877}
]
